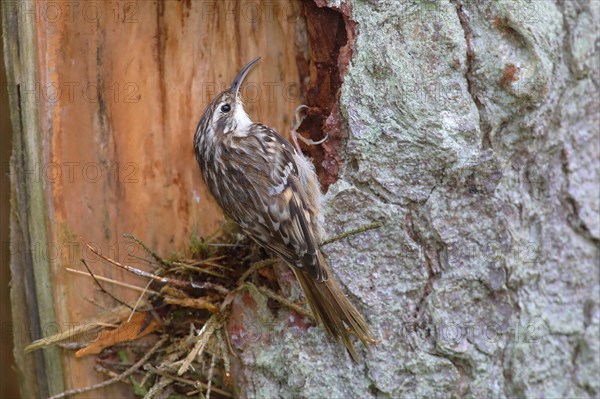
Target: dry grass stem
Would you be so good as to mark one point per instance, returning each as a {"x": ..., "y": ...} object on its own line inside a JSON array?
[
  {"x": 203, "y": 336},
  {"x": 111, "y": 281}
]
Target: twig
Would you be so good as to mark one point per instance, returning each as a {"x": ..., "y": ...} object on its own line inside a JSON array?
[
  {"x": 215, "y": 287},
  {"x": 157, "y": 388},
  {"x": 126, "y": 267},
  {"x": 223, "y": 349},
  {"x": 140, "y": 258},
  {"x": 111, "y": 281},
  {"x": 138, "y": 272},
  {"x": 203, "y": 336},
  {"x": 211, "y": 370},
  {"x": 118, "y": 378},
  {"x": 195, "y": 384},
  {"x": 137, "y": 303},
  {"x": 184, "y": 265},
  {"x": 193, "y": 303},
  {"x": 101, "y": 369},
  {"x": 283, "y": 300},
  {"x": 358, "y": 230},
  {"x": 151, "y": 252},
  {"x": 230, "y": 347},
  {"x": 209, "y": 262},
  {"x": 173, "y": 296},
  {"x": 101, "y": 287},
  {"x": 206, "y": 261},
  {"x": 256, "y": 266}
]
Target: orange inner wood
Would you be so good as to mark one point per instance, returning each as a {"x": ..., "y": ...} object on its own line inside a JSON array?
[{"x": 122, "y": 86}]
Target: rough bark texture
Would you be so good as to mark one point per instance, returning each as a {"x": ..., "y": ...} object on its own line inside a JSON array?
[{"x": 473, "y": 133}]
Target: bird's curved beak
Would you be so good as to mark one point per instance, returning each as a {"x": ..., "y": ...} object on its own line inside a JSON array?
[{"x": 239, "y": 79}]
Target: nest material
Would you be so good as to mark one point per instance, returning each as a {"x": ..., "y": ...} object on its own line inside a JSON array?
[{"x": 176, "y": 330}]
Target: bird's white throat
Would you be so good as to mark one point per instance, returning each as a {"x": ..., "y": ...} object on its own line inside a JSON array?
[{"x": 242, "y": 120}]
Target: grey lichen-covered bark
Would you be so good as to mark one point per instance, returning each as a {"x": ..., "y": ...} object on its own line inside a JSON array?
[
  {"x": 31, "y": 292},
  {"x": 473, "y": 134}
]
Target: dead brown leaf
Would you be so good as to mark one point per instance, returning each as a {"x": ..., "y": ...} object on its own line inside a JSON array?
[{"x": 126, "y": 331}]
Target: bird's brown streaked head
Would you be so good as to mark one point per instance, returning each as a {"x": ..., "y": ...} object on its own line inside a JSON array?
[{"x": 225, "y": 114}]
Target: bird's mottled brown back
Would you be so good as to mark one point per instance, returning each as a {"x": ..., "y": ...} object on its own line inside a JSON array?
[{"x": 258, "y": 179}]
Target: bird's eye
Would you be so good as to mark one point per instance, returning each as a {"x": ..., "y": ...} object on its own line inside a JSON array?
[{"x": 226, "y": 108}]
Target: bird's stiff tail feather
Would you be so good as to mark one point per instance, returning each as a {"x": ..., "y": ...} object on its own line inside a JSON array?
[{"x": 333, "y": 310}]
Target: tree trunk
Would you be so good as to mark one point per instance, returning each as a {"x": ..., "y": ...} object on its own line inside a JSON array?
[{"x": 470, "y": 128}]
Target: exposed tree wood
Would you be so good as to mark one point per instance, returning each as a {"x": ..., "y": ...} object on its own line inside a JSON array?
[{"x": 114, "y": 91}]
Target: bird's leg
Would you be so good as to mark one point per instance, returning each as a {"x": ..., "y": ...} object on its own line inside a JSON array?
[
  {"x": 298, "y": 118},
  {"x": 295, "y": 125}
]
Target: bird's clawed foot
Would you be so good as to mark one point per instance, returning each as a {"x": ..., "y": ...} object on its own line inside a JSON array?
[{"x": 298, "y": 118}]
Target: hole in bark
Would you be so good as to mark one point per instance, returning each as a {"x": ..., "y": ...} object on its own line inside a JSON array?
[{"x": 331, "y": 35}]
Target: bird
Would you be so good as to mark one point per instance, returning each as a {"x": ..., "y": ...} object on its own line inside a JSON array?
[{"x": 270, "y": 189}]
